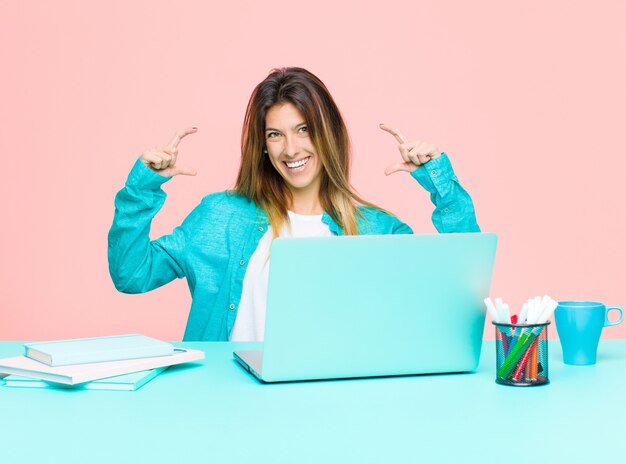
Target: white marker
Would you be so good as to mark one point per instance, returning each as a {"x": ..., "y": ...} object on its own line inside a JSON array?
[
  {"x": 537, "y": 308},
  {"x": 506, "y": 313},
  {"x": 492, "y": 310},
  {"x": 543, "y": 302},
  {"x": 500, "y": 311},
  {"x": 531, "y": 317},
  {"x": 547, "y": 312},
  {"x": 523, "y": 314}
]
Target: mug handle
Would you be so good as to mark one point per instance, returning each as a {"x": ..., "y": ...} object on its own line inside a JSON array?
[{"x": 608, "y": 323}]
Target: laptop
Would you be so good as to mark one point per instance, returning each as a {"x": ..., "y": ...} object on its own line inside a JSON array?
[{"x": 373, "y": 305}]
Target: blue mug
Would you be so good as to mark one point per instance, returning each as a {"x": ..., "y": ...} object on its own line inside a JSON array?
[{"x": 579, "y": 325}]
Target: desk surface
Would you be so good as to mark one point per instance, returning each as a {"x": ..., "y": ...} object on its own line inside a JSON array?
[{"x": 213, "y": 411}]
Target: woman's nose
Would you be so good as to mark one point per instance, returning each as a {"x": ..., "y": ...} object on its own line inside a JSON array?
[{"x": 291, "y": 146}]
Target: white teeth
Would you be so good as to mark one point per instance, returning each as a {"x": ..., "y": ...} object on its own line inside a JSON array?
[{"x": 297, "y": 164}]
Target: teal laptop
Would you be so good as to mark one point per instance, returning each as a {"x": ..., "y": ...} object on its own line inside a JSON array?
[{"x": 373, "y": 305}]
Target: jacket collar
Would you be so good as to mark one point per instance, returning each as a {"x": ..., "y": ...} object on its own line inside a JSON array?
[
  {"x": 326, "y": 219},
  {"x": 332, "y": 225}
]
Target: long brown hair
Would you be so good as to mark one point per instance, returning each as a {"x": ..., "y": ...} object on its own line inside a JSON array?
[{"x": 259, "y": 180}]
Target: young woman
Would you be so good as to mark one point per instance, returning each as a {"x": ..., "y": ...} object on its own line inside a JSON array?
[{"x": 293, "y": 182}]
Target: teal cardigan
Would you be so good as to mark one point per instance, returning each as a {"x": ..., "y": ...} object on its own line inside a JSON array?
[{"x": 213, "y": 245}]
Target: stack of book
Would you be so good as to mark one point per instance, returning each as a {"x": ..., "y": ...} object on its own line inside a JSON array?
[{"x": 122, "y": 362}]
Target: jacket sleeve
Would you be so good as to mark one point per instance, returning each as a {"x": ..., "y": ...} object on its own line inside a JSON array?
[
  {"x": 454, "y": 209},
  {"x": 137, "y": 264}
]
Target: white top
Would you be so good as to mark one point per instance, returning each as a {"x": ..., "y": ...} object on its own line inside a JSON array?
[{"x": 250, "y": 323}]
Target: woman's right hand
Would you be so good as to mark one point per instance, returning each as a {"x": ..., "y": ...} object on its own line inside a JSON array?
[{"x": 162, "y": 160}]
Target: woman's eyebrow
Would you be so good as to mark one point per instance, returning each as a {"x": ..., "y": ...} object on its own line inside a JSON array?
[{"x": 278, "y": 130}]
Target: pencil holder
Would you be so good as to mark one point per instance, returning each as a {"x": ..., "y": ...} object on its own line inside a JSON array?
[{"x": 522, "y": 354}]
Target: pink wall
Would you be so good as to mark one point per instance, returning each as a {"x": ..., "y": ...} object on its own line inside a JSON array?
[{"x": 527, "y": 98}]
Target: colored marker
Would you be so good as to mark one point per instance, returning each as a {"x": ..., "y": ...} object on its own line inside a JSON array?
[
  {"x": 517, "y": 375},
  {"x": 534, "y": 360},
  {"x": 516, "y": 332},
  {"x": 505, "y": 343},
  {"x": 517, "y": 352}
]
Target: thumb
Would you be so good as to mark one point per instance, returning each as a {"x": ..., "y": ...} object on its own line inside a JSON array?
[
  {"x": 397, "y": 167},
  {"x": 184, "y": 171}
]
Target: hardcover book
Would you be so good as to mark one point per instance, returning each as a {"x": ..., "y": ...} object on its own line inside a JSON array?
[
  {"x": 79, "y": 373},
  {"x": 99, "y": 349},
  {"x": 127, "y": 382}
]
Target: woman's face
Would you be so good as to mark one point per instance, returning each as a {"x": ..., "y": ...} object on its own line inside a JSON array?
[{"x": 291, "y": 150}]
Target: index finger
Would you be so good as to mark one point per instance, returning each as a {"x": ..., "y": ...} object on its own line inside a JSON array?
[
  {"x": 395, "y": 132},
  {"x": 179, "y": 136}
]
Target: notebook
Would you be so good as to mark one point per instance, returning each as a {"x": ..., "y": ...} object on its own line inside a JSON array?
[
  {"x": 363, "y": 306},
  {"x": 127, "y": 382},
  {"x": 97, "y": 349},
  {"x": 79, "y": 373}
]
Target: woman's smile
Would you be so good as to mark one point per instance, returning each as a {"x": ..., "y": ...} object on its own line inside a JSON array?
[{"x": 296, "y": 167}]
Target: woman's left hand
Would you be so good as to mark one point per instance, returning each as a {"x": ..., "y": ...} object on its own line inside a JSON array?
[{"x": 414, "y": 154}]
